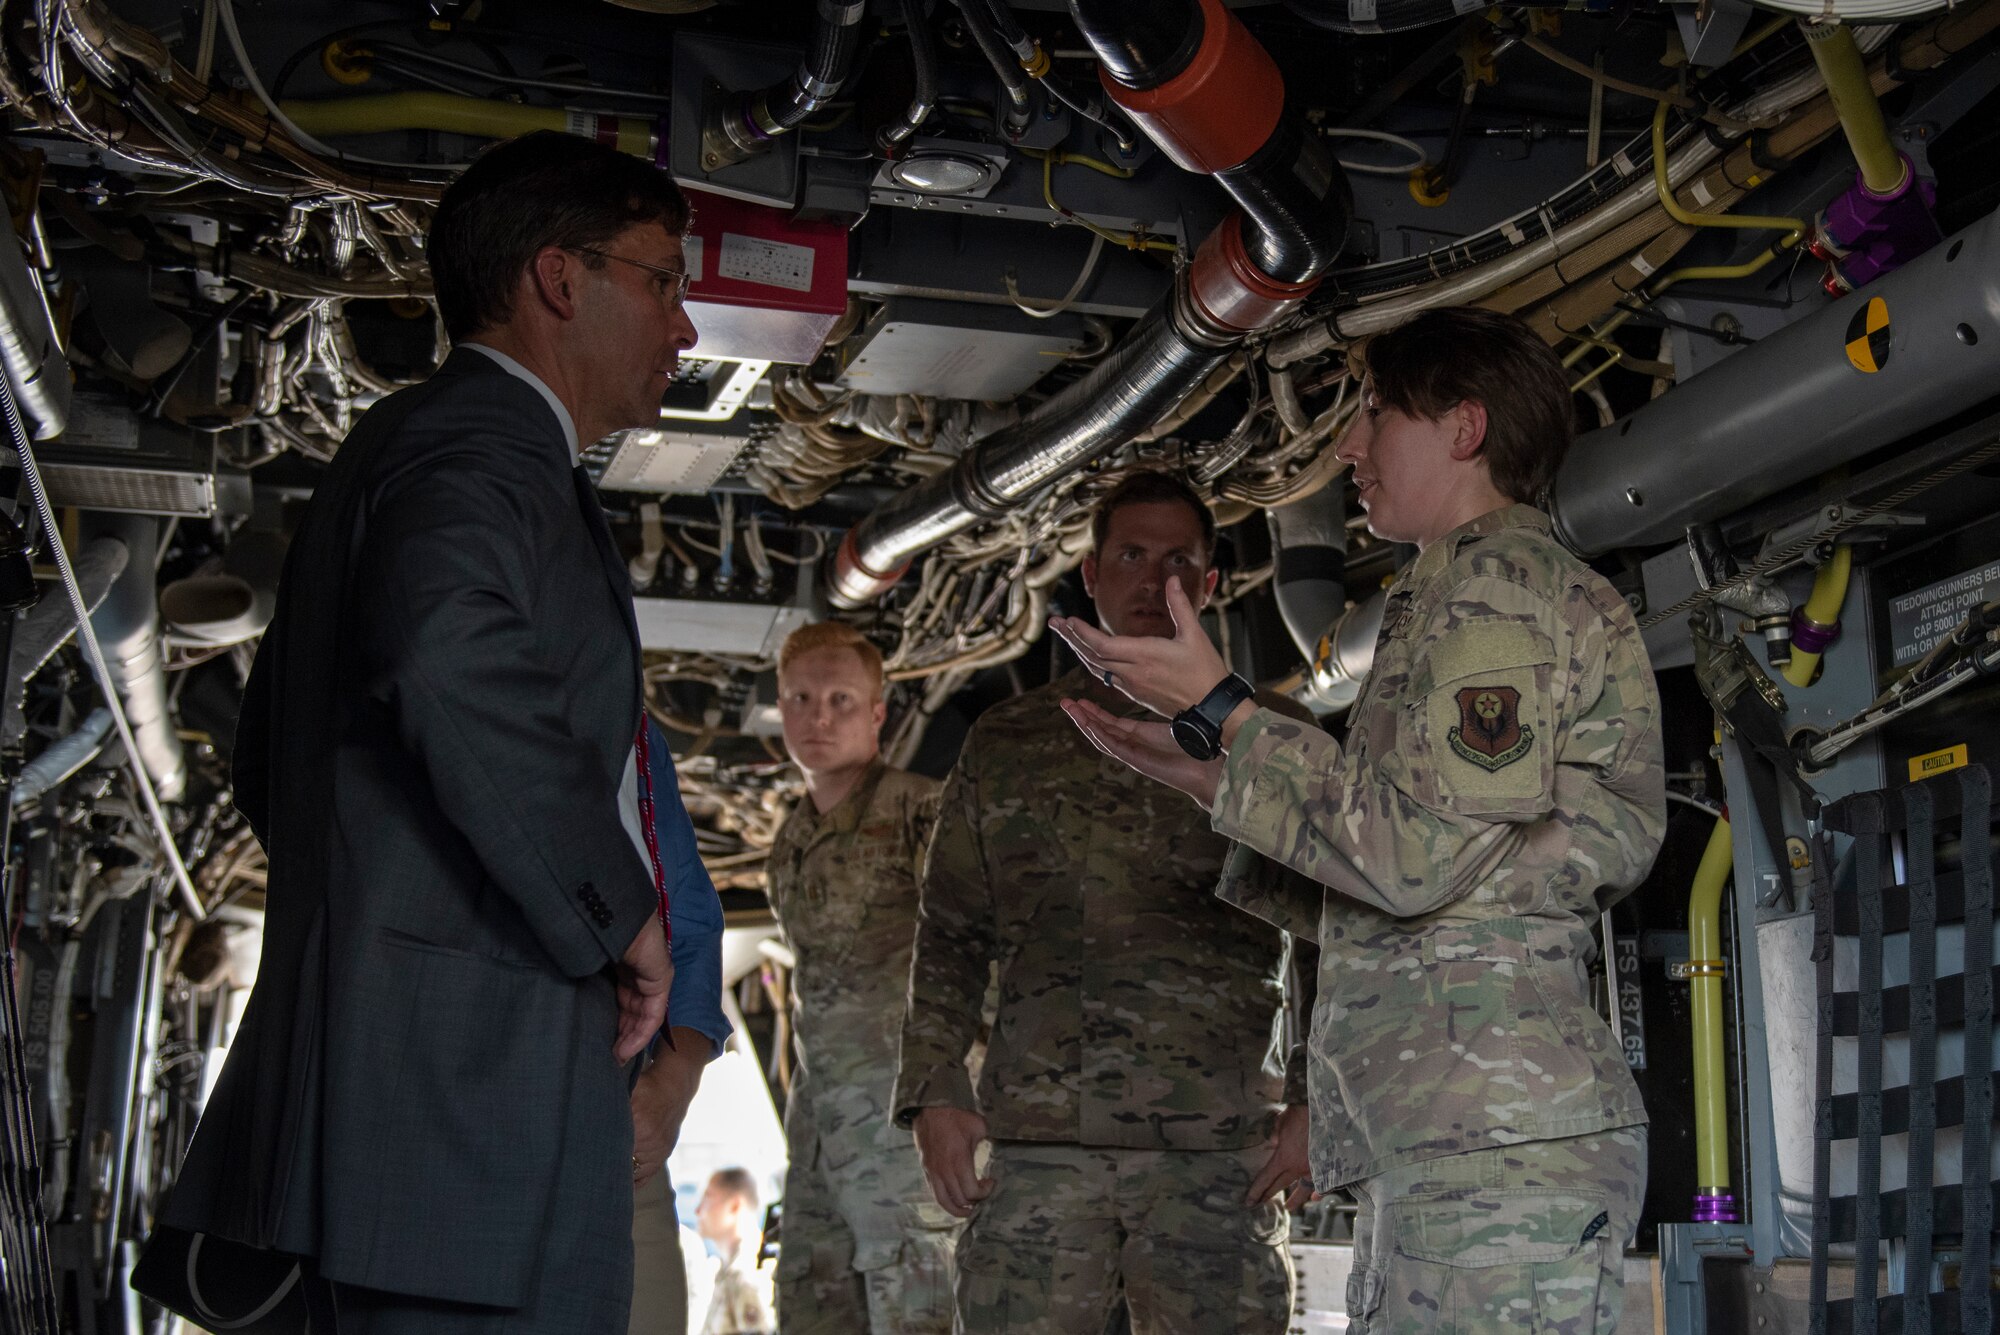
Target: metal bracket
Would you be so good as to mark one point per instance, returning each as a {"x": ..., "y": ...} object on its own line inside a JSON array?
[
  {"x": 1832, "y": 516},
  {"x": 1711, "y": 29}
]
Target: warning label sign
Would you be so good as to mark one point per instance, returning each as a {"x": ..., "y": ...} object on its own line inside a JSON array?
[{"x": 1919, "y": 619}]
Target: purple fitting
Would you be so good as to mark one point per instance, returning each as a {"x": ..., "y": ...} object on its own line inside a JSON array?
[
  {"x": 1715, "y": 1207},
  {"x": 1878, "y": 234},
  {"x": 1809, "y": 636}
]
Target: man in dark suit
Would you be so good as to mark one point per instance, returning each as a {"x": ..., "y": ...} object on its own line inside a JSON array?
[{"x": 463, "y": 939}]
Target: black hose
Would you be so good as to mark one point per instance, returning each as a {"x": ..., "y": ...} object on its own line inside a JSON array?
[
  {"x": 979, "y": 22},
  {"x": 1089, "y": 109},
  {"x": 1005, "y": 26},
  {"x": 1292, "y": 191},
  {"x": 1143, "y": 43},
  {"x": 923, "y": 54},
  {"x": 1298, "y": 199},
  {"x": 820, "y": 75}
]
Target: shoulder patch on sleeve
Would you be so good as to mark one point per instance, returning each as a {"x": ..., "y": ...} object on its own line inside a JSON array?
[
  {"x": 1485, "y": 747},
  {"x": 1490, "y": 732}
]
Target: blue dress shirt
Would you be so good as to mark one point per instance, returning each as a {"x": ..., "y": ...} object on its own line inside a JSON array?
[{"x": 694, "y": 1000}]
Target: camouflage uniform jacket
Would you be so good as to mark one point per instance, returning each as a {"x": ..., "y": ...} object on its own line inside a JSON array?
[
  {"x": 1503, "y": 763},
  {"x": 844, "y": 886},
  {"x": 741, "y": 1302},
  {"x": 1135, "y": 1010}
]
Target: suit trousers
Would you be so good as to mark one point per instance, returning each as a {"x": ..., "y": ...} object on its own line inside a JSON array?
[
  {"x": 659, "y": 1271},
  {"x": 583, "y": 1284}
]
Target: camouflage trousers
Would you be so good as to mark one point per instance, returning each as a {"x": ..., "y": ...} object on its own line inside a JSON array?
[
  {"x": 1071, "y": 1233},
  {"x": 1522, "y": 1238},
  {"x": 863, "y": 1249}
]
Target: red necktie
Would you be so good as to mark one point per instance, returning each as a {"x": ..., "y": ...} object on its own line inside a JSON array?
[{"x": 642, "y": 747}]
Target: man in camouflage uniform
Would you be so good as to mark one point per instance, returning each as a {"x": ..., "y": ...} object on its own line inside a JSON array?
[
  {"x": 1134, "y": 1081},
  {"x": 1503, "y": 765},
  {"x": 726, "y": 1216},
  {"x": 863, "y": 1246}
]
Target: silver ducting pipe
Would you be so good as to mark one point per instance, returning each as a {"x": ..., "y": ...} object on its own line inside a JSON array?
[
  {"x": 128, "y": 628},
  {"x": 1309, "y": 547},
  {"x": 48, "y": 625},
  {"x": 1904, "y": 353},
  {"x": 29, "y": 353},
  {"x": 1344, "y": 655},
  {"x": 1137, "y": 381},
  {"x": 1254, "y": 268}
]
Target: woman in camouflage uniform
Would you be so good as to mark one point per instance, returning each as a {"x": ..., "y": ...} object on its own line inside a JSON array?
[{"x": 1502, "y": 766}]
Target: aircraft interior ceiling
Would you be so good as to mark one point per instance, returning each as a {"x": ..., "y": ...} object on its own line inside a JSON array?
[{"x": 958, "y": 267}]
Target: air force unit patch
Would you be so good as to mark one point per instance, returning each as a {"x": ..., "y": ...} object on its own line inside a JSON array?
[{"x": 1490, "y": 733}]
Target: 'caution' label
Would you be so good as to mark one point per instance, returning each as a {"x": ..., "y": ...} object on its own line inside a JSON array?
[
  {"x": 1937, "y": 762},
  {"x": 1868, "y": 336}
]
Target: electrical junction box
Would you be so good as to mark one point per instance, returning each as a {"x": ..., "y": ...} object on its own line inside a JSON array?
[
  {"x": 765, "y": 288},
  {"x": 954, "y": 350}
]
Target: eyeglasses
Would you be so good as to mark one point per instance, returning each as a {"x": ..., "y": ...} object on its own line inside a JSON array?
[{"x": 666, "y": 282}]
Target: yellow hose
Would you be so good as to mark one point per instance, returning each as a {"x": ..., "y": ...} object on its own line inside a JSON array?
[
  {"x": 1796, "y": 227},
  {"x": 332, "y": 117},
  {"x": 1651, "y": 291},
  {"x": 1706, "y": 971},
  {"x": 1883, "y": 169},
  {"x": 1794, "y": 230},
  {"x": 1822, "y": 609}
]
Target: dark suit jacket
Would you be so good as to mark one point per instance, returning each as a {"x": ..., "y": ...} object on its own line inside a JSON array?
[{"x": 430, "y": 748}]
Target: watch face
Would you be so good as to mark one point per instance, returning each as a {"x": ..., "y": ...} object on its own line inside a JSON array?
[{"x": 1194, "y": 739}]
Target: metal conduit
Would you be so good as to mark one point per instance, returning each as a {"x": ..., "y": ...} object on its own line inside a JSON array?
[{"x": 1216, "y": 109}]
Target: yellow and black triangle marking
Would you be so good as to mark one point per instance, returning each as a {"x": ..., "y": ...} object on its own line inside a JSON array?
[{"x": 1868, "y": 336}]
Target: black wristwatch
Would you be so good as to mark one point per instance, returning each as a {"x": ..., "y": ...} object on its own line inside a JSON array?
[{"x": 1198, "y": 728}]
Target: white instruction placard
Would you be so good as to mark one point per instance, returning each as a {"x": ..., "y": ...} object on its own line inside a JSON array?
[
  {"x": 753, "y": 259},
  {"x": 1919, "y": 619}
]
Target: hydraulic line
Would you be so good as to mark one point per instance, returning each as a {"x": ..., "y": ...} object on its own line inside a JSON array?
[
  {"x": 1884, "y": 171},
  {"x": 1815, "y": 625},
  {"x": 1012, "y": 77},
  {"x": 1036, "y": 65},
  {"x": 1706, "y": 970},
  {"x": 740, "y": 127},
  {"x": 1522, "y": 250},
  {"x": 1651, "y": 292},
  {"x": 488, "y": 118},
  {"x": 1795, "y": 228},
  {"x": 923, "y": 57}
]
